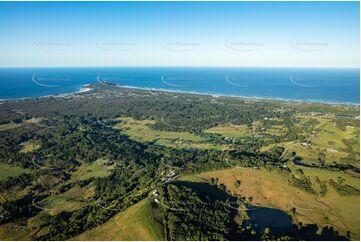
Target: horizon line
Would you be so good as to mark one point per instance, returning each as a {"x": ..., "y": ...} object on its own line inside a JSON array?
[{"x": 181, "y": 66}]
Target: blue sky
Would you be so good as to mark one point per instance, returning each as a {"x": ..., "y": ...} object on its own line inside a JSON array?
[{"x": 272, "y": 34}]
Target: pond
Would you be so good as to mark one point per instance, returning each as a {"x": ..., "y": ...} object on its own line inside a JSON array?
[
  {"x": 276, "y": 220},
  {"x": 205, "y": 190}
]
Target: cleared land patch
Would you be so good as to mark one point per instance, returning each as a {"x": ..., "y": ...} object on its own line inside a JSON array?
[
  {"x": 99, "y": 168},
  {"x": 71, "y": 200},
  {"x": 13, "y": 125},
  {"x": 29, "y": 146},
  {"x": 11, "y": 170},
  {"x": 230, "y": 130}
]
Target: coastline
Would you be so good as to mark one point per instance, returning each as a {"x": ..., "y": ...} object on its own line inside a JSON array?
[
  {"x": 87, "y": 88},
  {"x": 257, "y": 98},
  {"x": 82, "y": 89}
]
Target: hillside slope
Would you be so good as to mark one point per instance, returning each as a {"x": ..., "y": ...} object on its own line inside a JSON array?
[{"x": 137, "y": 222}]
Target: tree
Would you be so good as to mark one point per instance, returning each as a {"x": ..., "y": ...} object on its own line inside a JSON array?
[
  {"x": 266, "y": 233},
  {"x": 293, "y": 211}
]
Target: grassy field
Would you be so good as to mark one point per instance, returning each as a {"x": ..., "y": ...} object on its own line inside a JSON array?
[
  {"x": 332, "y": 136},
  {"x": 309, "y": 154},
  {"x": 277, "y": 130},
  {"x": 271, "y": 189},
  {"x": 13, "y": 125},
  {"x": 76, "y": 197},
  {"x": 71, "y": 200},
  {"x": 29, "y": 146},
  {"x": 135, "y": 223},
  {"x": 230, "y": 130},
  {"x": 141, "y": 130},
  {"x": 99, "y": 168},
  {"x": 327, "y": 174},
  {"x": 243, "y": 131},
  {"x": 8, "y": 170},
  {"x": 8, "y": 126},
  {"x": 13, "y": 231},
  {"x": 325, "y": 136}
]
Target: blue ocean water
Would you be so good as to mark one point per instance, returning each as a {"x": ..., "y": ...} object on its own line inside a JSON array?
[{"x": 319, "y": 85}]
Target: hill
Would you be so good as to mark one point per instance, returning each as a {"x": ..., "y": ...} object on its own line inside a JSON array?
[{"x": 138, "y": 222}]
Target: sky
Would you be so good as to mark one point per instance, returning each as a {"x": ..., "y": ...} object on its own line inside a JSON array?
[{"x": 257, "y": 34}]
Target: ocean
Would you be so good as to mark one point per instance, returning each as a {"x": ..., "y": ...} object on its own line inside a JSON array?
[{"x": 301, "y": 84}]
